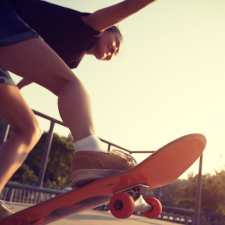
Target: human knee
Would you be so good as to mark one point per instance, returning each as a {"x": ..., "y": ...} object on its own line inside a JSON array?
[
  {"x": 35, "y": 134},
  {"x": 68, "y": 85},
  {"x": 30, "y": 134}
]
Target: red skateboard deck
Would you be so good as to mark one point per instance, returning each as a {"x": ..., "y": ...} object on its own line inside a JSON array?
[{"x": 159, "y": 169}]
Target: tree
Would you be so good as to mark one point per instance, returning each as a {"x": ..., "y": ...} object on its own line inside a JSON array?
[
  {"x": 58, "y": 170},
  {"x": 183, "y": 193}
]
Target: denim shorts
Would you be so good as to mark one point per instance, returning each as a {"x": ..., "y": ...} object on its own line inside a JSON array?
[
  {"x": 5, "y": 78},
  {"x": 12, "y": 27}
]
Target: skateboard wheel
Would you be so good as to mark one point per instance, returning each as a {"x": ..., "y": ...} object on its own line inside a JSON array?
[
  {"x": 155, "y": 207},
  {"x": 121, "y": 205}
]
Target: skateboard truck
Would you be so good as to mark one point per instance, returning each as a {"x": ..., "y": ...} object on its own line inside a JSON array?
[{"x": 122, "y": 204}]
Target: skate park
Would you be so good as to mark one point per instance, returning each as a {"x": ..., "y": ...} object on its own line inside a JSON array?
[
  {"x": 168, "y": 82},
  {"x": 19, "y": 196}
]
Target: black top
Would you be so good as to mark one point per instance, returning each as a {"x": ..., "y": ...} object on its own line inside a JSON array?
[{"x": 62, "y": 28}]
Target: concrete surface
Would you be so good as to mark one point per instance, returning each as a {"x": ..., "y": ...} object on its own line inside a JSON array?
[{"x": 92, "y": 217}]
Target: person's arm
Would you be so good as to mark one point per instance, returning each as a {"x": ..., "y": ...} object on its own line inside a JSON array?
[{"x": 106, "y": 17}]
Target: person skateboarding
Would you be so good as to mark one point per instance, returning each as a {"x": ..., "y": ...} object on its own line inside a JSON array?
[{"x": 42, "y": 42}]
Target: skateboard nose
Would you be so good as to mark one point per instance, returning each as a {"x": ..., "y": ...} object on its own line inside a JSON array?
[
  {"x": 172, "y": 160},
  {"x": 200, "y": 137},
  {"x": 197, "y": 141}
]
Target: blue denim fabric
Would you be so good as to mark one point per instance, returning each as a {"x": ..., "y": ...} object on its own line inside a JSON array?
[
  {"x": 12, "y": 28},
  {"x": 5, "y": 78}
]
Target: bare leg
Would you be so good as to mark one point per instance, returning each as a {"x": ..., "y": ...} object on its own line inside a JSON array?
[
  {"x": 74, "y": 108},
  {"x": 35, "y": 61},
  {"x": 25, "y": 132}
]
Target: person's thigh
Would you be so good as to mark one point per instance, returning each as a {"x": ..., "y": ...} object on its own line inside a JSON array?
[{"x": 34, "y": 60}]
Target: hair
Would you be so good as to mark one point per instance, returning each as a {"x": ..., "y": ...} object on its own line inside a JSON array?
[{"x": 115, "y": 29}]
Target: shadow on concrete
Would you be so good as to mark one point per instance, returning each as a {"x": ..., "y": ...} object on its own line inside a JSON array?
[{"x": 91, "y": 217}]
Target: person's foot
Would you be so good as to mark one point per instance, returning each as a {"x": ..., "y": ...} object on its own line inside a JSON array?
[
  {"x": 91, "y": 165},
  {"x": 4, "y": 210}
]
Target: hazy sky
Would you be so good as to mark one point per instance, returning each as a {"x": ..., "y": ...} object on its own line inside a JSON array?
[{"x": 167, "y": 81}]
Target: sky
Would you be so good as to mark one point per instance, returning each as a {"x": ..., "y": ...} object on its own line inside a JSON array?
[{"x": 167, "y": 81}]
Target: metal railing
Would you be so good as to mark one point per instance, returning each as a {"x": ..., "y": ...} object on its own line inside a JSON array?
[
  {"x": 48, "y": 144},
  {"x": 27, "y": 194},
  {"x": 178, "y": 215}
]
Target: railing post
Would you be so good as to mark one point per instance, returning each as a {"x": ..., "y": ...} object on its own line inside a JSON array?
[
  {"x": 197, "y": 216},
  {"x": 109, "y": 147},
  {"x": 4, "y": 133},
  {"x": 9, "y": 193},
  {"x": 48, "y": 145}
]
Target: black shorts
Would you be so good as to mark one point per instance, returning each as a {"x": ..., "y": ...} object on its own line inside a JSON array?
[{"x": 12, "y": 28}]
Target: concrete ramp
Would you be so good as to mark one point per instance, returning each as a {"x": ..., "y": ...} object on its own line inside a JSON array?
[
  {"x": 100, "y": 218},
  {"x": 93, "y": 217}
]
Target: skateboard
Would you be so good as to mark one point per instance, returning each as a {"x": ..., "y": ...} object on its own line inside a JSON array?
[{"x": 159, "y": 169}]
